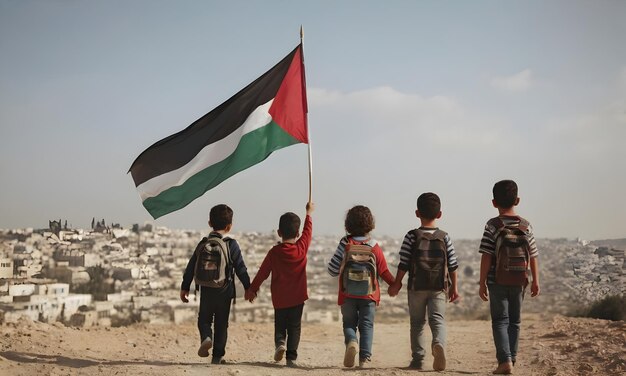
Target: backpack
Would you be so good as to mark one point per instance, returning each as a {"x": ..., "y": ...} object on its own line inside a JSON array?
[
  {"x": 213, "y": 267},
  {"x": 357, "y": 275},
  {"x": 429, "y": 261},
  {"x": 512, "y": 253}
]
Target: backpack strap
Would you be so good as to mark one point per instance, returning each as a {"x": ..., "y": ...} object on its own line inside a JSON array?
[
  {"x": 201, "y": 244},
  {"x": 524, "y": 225}
]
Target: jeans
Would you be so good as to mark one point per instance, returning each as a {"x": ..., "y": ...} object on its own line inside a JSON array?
[
  {"x": 506, "y": 311},
  {"x": 287, "y": 325},
  {"x": 419, "y": 303},
  {"x": 214, "y": 309},
  {"x": 359, "y": 313}
]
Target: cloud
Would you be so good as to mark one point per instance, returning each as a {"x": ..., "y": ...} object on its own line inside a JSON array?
[
  {"x": 517, "y": 82},
  {"x": 386, "y": 114}
]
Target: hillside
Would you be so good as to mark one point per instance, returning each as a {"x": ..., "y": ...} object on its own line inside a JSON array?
[{"x": 549, "y": 346}]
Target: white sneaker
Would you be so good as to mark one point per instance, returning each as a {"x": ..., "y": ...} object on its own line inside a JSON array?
[
  {"x": 351, "y": 351},
  {"x": 280, "y": 352},
  {"x": 205, "y": 346}
]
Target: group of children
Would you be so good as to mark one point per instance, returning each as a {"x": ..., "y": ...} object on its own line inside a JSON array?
[{"x": 427, "y": 255}]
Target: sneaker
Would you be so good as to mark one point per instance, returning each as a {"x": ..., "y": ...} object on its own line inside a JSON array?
[
  {"x": 364, "y": 362},
  {"x": 279, "y": 353},
  {"x": 292, "y": 363},
  {"x": 218, "y": 360},
  {"x": 205, "y": 346},
  {"x": 416, "y": 364},
  {"x": 439, "y": 364},
  {"x": 351, "y": 351},
  {"x": 505, "y": 368}
]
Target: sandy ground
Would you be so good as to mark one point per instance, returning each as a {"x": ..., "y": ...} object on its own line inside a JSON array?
[{"x": 548, "y": 346}]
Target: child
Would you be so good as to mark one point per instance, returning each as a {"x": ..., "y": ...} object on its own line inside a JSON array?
[
  {"x": 286, "y": 261},
  {"x": 428, "y": 256},
  {"x": 358, "y": 261},
  {"x": 508, "y": 248},
  {"x": 211, "y": 267}
]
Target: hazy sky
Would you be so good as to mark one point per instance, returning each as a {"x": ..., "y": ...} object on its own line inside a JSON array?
[{"x": 404, "y": 97}]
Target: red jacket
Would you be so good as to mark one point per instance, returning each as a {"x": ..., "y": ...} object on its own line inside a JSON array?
[{"x": 287, "y": 264}]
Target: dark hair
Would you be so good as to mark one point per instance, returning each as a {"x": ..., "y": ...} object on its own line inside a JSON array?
[
  {"x": 220, "y": 217},
  {"x": 429, "y": 205},
  {"x": 359, "y": 221},
  {"x": 289, "y": 224},
  {"x": 505, "y": 193}
]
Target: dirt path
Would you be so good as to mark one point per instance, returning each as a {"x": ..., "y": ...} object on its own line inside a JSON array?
[{"x": 50, "y": 349}]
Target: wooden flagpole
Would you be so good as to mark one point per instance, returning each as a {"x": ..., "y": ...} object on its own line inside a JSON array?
[{"x": 308, "y": 133}]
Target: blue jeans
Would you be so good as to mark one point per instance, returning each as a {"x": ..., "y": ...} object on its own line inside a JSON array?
[
  {"x": 419, "y": 302},
  {"x": 506, "y": 316},
  {"x": 359, "y": 313}
]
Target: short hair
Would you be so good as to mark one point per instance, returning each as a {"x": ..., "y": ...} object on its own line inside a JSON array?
[
  {"x": 505, "y": 193},
  {"x": 359, "y": 221},
  {"x": 429, "y": 205},
  {"x": 220, "y": 217},
  {"x": 288, "y": 225}
]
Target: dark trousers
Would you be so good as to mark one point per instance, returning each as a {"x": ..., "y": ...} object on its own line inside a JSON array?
[
  {"x": 287, "y": 326},
  {"x": 214, "y": 309}
]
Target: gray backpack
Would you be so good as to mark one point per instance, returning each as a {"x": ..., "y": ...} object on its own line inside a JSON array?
[{"x": 212, "y": 263}]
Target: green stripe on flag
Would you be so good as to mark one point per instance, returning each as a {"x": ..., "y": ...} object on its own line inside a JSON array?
[{"x": 253, "y": 148}]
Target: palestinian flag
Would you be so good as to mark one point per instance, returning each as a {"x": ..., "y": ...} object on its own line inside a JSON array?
[{"x": 267, "y": 115}]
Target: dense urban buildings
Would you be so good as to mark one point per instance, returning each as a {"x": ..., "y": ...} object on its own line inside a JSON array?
[{"x": 113, "y": 276}]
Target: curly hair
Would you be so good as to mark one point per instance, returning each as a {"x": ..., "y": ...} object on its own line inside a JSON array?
[{"x": 359, "y": 221}]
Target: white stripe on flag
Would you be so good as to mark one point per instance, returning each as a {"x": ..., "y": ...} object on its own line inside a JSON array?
[{"x": 208, "y": 156}]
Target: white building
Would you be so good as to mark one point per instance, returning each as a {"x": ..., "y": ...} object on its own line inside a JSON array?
[{"x": 6, "y": 268}]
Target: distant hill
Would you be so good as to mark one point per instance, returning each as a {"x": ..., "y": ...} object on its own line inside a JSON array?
[{"x": 611, "y": 243}]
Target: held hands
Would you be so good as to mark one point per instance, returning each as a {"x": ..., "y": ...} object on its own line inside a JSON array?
[
  {"x": 534, "y": 289},
  {"x": 249, "y": 295},
  {"x": 310, "y": 207},
  {"x": 183, "y": 296},
  {"x": 394, "y": 289},
  {"x": 482, "y": 291}
]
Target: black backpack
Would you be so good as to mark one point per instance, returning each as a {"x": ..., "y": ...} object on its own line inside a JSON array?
[
  {"x": 213, "y": 264},
  {"x": 429, "y": 261}
]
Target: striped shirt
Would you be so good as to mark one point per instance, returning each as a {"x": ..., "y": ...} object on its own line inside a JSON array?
[
  {"x": 407, "y": 246},
  {"x": 488, "y": 242}
]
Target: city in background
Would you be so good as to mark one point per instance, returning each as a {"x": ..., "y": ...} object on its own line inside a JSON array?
[{"x": 114, "y": 276}]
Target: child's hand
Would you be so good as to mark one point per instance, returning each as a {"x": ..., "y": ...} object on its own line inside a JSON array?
[
  {"x": 394, "y": 289},
  {"x": 249, "y": 295},
  {"x": 310, "y": 207},
  {"x": 534, "y": 289},
  {"x": 183, "y": 296},
  {"x": 482, "y": 291},
  {"x": 453, "y": 294}
]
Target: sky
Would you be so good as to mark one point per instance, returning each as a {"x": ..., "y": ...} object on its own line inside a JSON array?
[{"x": 405, "y": 97}]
